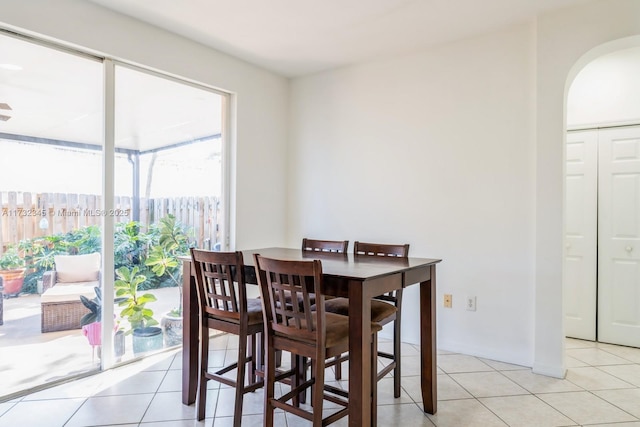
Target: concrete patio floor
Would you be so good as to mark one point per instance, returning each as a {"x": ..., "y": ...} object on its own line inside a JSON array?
[{"x": 30, "y": 359}]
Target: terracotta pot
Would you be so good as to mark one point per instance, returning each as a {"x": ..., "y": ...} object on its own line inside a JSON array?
[{"x": 12, "y": 280}]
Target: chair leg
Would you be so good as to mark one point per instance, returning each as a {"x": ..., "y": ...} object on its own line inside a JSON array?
[
  {"x": 269, "y": 386},
  {"x": 338, "y": 367},
  {"x": 396, "y": 356},
  {"x": 242, "y": 365},
  {"x": 253, "y": 354},
  {"x": 317, "y": 390},
  {"x": 201, "y": 401}
]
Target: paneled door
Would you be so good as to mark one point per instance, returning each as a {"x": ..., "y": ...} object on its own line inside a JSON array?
[
  {"x": 580, "y": 254},
  {"x": 619, "y": 236}
]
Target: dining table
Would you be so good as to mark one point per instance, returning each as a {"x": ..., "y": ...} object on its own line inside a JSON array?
[{"x": 359, "y": 278}]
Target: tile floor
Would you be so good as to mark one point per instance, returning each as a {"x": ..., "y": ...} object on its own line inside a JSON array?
[{"x": 602, "y": 388}]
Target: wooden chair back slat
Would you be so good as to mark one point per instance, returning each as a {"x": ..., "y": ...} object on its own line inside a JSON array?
[
  {"x": 220, "y": 283},
  {"x": 336, "y": 246},
  {"x": 378, "y": 249},
  {"x": 300, "y": 280}
]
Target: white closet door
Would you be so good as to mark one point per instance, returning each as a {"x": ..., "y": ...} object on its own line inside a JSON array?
[
  {"x": 619, "y": 236},
  {"x": 580, "y": 255}
]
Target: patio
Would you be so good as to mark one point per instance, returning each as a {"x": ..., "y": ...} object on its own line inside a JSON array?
[{"x": 30, "y": 359}]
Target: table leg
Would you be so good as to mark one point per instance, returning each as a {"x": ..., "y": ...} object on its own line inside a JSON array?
[
  {"x": 190, "y": 329},
  {"x": 428, "y": 350},
  {"x": 359, "y": 356}
]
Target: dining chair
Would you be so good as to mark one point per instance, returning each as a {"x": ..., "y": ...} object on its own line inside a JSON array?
[
  {"x": 306, "y": 333},
  {"x": 384, "y": 309},
  {"x": 224, "y": 306},
  {"x": 336, "y": 246}
]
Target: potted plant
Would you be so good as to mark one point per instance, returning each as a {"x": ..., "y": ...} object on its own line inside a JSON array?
[
  {"x": 146, "y": 336},
  {"x": 12, "y": 268},
  {"x": 92, "y": 322},
  {"x": 173, "y": 241}
]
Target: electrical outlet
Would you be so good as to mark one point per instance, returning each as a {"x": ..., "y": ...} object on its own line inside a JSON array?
[
  {"x": 471, "y": 303},
  {"x": 448, "y": 300}
]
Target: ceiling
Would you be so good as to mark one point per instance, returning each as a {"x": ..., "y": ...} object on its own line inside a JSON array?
[
  {"x": 55, "y": 95},
  {"x": 298, "y": 37}
]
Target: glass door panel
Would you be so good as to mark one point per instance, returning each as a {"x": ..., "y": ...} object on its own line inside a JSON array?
[
  {"x": 168, "y": 179},
  {"x": 51, "y": 120}
]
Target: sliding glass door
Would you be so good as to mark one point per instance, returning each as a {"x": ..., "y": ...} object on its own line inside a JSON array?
[
  {"x": 51, "y": 148},
  {"x": 108, "y": 175},
  {"x": 168, "y": 192}
]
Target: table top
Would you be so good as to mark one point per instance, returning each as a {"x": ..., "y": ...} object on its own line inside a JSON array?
[{"x": 345, "y": 265}]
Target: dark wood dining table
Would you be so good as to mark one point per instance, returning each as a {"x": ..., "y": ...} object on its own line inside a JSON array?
[{"x": 360, "y": 278}]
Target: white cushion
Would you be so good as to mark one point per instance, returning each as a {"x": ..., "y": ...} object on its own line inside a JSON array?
[
  {"x": 63, "y": 292},
  {"x": 77, "y": 268}
]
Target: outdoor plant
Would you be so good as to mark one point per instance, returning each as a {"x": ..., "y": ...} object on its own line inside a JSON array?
[
  {"x": 95, "y": 307},
  {"x": 135, "y": 310},
  {"x": 173, "y": 241},
  {"x": 11, "y": 259}
]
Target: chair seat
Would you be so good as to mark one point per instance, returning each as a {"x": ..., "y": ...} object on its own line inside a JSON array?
[
  {"x": 254, "y": 311},
  {"x": 380, "y": 310},
  {"x": 337, "y": 330}
]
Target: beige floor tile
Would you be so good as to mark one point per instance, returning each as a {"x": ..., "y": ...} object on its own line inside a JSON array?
[
  {"x": 628, "y": 400},
  {"x": 501, "y": 366},
  {"x": 144, "y": 382},
  {"x": 629, "y": 353},
  {"x": 628, "y": 373},
  {"x": 525, "y": 411},
  {"x": 169, "y": 407},
  {"x": 464, "y": 413},
  {"x": 41, "y": 413},
  {"x": 385, "y": 393},
  {"x": 121, "y": 409},
  {"x": 487, "y": 384},
  {"x": 410, "y": 366},
  {"x": 172, "y": 381},
  {"x": 207, "y": 422},
  {"x": 249, "y": 421},
  {"x": 576, "y": 343},
  {"x": 5, "y": 406},
  {"x": 590, "y": 378},
  {"x": 454, "y": 363},
  {"x": 586, "y": 408},
  {"x": 535, "y": 383},
  {"x": 447, "y": 388},
  {"x": 596, "y": 356},
  {"x": 571, "y": 362},
  {"x": 631, "y": 424},
  {"x": 403, "y": 415}
]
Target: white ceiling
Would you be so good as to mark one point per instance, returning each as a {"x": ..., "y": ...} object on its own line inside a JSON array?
[{"x": 298, "y": 37}]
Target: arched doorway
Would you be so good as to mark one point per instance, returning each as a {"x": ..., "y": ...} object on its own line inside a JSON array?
[{"x": 601, "y": 271}]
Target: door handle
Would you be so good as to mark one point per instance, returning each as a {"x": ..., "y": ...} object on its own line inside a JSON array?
[{"x": 628, "y": 248}]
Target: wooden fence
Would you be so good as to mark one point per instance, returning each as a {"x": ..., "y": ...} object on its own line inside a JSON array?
[{"x": 26, "y": 215}]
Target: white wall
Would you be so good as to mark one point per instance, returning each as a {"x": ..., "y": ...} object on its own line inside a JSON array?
[
  {"x": 459, "y": 151},
  {"x": 436, "y": 150},
  {"x": 259, "y": 144},
  {"x": 606, "y": 91}
]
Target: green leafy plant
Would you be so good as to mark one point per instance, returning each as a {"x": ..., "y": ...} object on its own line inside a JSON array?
[
  {"x": 95, "y": 307},
  {"x": 11, "y": 259},
  {"x": 135, "y": 310},
  {"x": 173, "y": 241}
]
